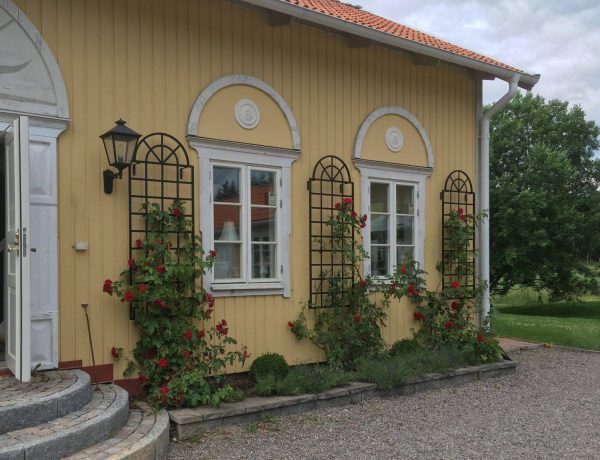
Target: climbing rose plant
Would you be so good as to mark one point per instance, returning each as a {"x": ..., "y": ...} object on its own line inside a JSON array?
[
  {"x": 350, "y": 328},
  {"x": 173, "y": 356}
]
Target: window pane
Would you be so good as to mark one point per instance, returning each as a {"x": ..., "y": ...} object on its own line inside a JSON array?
[
  {"x": 379, "y": 198},
  {"x": 404, "y": 229},
  {"x": 380, "y": 229},
  {"x": 226, "y": 184},
  {"x": 227, "y": 262},
  {"x": 379, "y": 260},
  {"x": 404, "y": 200},
  {"x": 226, "y": 223},
  {"x": 264, "y": 260},
  {"x": 263, "y": 224},
  {"x": 262, "y": 188},
  {"x": 403, "y": 254}
]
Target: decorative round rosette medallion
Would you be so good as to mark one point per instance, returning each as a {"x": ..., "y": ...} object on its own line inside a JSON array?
[
  {"x": 247, "y": 113},
  {"x": 394, "y": 139}
]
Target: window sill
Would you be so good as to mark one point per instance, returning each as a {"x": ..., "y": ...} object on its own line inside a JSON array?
[{"x": 240, "y": 290}]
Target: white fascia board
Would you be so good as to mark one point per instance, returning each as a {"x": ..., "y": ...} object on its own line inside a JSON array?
[{"x": 527, "y": 81}]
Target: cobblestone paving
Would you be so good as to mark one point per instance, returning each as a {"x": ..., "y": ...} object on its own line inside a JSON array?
[
  {"x": 550, "y": 408},
  {"x": 100, "y": 402},
  {"x": 42, "y": 385}
]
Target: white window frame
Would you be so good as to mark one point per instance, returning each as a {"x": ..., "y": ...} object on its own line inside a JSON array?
[
  {"x": 213, "y": 152},
  {"x": 394, "y": 174}
]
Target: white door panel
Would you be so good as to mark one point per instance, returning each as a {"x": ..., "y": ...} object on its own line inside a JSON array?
[{"x": 16, "y": 251}]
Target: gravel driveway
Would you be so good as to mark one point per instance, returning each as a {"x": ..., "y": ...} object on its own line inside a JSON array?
[{"x": 550, "y": 408}]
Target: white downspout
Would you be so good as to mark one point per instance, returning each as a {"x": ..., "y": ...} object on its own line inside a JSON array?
[{"x": 484, "y": 190}]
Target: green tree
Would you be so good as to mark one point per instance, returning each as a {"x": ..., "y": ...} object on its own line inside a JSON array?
[{"x": 544, "y": 195}]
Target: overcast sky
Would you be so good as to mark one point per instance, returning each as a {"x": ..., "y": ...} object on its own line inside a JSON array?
[{"x": 559, "y": 39}]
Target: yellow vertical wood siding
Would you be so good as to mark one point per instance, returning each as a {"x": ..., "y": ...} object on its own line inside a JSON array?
[{"x": 146, "y": 61}]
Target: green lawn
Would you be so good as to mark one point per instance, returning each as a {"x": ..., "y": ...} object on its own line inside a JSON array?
[{"x": 571, "y": 324}]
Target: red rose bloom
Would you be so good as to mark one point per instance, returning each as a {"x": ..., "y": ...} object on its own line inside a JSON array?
[
  {"x": 201, "y": 333},
  {"x": 160, "y": 268},
  {"x": 347, "y": 200},
  {"x": 223, "y": 322},
  {"x": 187, "y": 335},
  {"x": 186, "y": 354},
  {"x": 142, "y": 379},
  {"x": 220, "y": 329},
  {"x": 151, "y": 354},
  {"x": 114, "y": 352},
  {"x": 403, "y": 269},
  {"x": 454, "y": 284},
  {"x": 245, "y": 355},
  {"x": 337, "y": 206},
  {"x": 164, "y": 390},
  {"x": 412, "y": 290},
  {"x": 107, "y": 286},
  {"x": 162, "y": 363},
  {"x": 363, "y": 284},
  {"x": 142, "y": 288},
  {"x": 161, "y": 303},
  {"x": 354, "y": 215},
  {"x": 393, "y": 287},
  {"x": 177, "y": 212},
  {"x": 363, "y": 225},
  {"x": 213, "y": 253},
  {"x": 454, "y": 305},
  {"x": 131, "y": 263},
  {"x": 480, "y": 338},
  {"x": 363, "y": 218},
  {"x": 418, "y": 316},
  {"x": 139, "y": 244},
  {"x": 448, "y": 324},
  {"x": 290, "y": 324},
  {"x": 356, "y": 318},
  {"x": 129, "y": 296}
]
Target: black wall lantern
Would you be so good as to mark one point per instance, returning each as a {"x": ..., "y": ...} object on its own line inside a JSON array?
[{"x": 120, "y": 144}]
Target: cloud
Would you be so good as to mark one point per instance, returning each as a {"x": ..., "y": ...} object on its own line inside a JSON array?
[{"x": 558, "y": 39}]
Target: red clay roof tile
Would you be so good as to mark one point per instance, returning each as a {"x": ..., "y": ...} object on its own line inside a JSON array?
[{"x": 350, "y": 13}]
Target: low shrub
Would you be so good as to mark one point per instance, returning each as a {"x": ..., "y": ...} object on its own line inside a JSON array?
[
  {"x": 404, "y": 346},
  {"x": 269, "y": 364}
]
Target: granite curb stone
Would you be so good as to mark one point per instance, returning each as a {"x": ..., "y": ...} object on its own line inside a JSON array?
[{"x": 189, "y": 422}]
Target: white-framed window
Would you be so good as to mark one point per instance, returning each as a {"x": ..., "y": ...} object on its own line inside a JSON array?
[
  {"x": 394, "y": 199},
  {"x": 245, "y": 216}
]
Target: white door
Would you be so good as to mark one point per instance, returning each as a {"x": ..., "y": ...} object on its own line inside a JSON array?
[{"x": 16, "y": 251}]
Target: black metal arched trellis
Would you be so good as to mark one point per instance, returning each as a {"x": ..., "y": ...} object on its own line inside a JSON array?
[
  {"x": 160, "y": 173},
  {"x": 458, "y": 263},
  {"x": 329, "y": 184}
]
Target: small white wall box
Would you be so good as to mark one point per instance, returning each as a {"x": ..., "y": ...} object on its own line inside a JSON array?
[{"x": 80, "y": 246}]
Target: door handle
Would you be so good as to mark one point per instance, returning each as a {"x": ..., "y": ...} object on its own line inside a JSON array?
[{"x": 16, "y": 243}]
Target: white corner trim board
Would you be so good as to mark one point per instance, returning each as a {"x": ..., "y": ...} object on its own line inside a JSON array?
[
  {"x": 376, "y": 115},
  {"x": 230, "y": 80}
]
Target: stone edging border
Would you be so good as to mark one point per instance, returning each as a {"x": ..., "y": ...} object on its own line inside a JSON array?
[{"x": 191, "y": 422}]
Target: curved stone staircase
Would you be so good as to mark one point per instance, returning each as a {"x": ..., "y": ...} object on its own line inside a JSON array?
[{"x": 59, "y": 414}]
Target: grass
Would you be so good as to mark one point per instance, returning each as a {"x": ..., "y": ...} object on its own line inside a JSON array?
[{"x": 575, "y": 324}]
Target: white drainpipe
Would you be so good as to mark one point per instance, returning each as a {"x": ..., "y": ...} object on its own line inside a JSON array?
[{"x": 484, "y": 189}]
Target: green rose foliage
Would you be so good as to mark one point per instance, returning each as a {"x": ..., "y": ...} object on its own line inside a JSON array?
[{"x": 173, "y": 356}]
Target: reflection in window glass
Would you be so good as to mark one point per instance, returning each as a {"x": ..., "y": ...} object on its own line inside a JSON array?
[
  {"x": 379, "y": 197},
  {"x": 262, "y": 188},
  {"x": 380, "y": 260},
  {"x": 263, "y": 261},
  {"x": 226, "y": 223},
  {"x": 226, "y": 184},
  {"x": 403, "y": 254},
  {"x": 404, "y": 230},
  {"x": 404, "y": 199},
  {"x": 263, "y": 224}
]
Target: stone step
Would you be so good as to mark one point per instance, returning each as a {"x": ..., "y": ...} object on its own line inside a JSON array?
[
  {"x": 100, "y": 418},
  {"x": 47, "y": 396},
  {"x": 145, "y": 436}
]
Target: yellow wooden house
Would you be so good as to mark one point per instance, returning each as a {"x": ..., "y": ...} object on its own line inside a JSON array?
[{"x": 257, "y": 93}]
